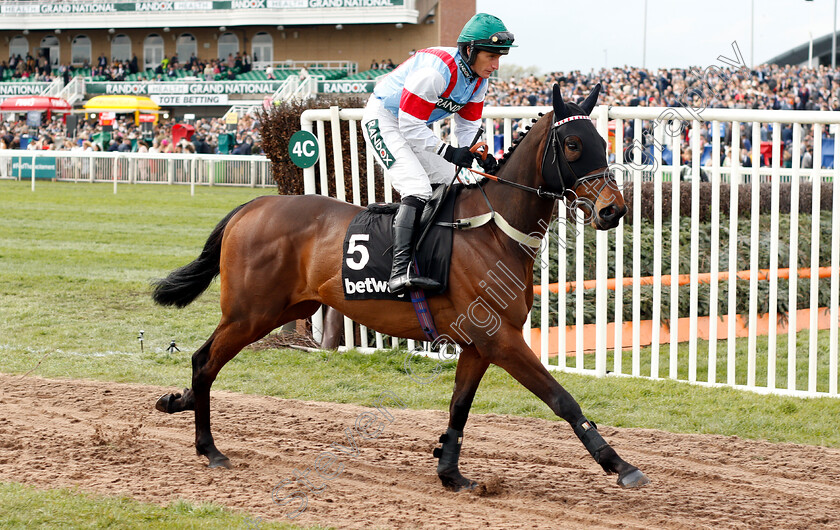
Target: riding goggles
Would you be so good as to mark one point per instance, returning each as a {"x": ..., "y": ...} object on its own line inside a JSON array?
[{"x": 500, "y": 38}]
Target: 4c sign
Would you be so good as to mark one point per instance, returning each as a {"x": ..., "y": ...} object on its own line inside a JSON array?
[{"x": 303, "y": 149}]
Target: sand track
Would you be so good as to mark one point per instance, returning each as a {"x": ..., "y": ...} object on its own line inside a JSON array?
[{"x": 107, "y": 438}]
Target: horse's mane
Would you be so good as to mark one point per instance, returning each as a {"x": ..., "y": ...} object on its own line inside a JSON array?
[
  {"x": 572, "y": 106},
  {"x": 516, "y": 142}
]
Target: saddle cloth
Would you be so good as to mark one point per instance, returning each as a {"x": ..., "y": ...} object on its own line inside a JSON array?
[{"x": 368, "y": 250}]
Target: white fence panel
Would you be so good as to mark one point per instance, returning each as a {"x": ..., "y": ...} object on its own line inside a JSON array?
[
  {"x": 141, "y": 168},
  {"x": 811, "y": 372}
]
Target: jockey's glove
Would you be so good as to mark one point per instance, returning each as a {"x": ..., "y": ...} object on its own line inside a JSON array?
[
  {"x": 489, "y": 164},
  {"x": 460, "y": 156}
]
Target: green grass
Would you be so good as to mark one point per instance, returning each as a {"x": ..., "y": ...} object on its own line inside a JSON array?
[
  {"x": 75, "y": 262},
  {"x": 25, "y": 508}
]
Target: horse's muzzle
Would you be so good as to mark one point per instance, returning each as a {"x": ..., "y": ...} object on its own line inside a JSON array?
[{"x": 609, "y": 216}]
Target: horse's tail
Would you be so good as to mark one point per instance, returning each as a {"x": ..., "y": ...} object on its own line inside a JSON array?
[{"x": 185, "y": 284}]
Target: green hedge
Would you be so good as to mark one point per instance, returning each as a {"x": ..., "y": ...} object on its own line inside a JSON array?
[
  {"x": 280, "y": 122},
  {"x": 744, "y": 199},
  {"x": 646, "y": 267}
]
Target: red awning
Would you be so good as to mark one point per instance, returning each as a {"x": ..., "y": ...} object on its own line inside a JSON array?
[{"x": 26, "y": 103}]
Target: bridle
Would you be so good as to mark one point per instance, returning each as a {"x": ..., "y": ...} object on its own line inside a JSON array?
[
  {"x": 551, "y": 171},
  {"x": 554, "y": 155},
  {"x": 554, "y": 177}
]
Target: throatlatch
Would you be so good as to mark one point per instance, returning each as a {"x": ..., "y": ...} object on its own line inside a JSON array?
[{"x": 588, "y": 433}]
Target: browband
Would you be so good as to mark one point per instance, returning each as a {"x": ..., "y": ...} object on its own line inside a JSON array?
[{"x": 571, "y": 118}]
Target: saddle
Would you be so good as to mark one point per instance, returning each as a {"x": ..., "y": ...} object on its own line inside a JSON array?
[{"x": 368, "y": 250}]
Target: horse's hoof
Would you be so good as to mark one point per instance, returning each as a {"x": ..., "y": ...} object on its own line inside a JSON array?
[
  {"x": 222, "y": 461},
  {"x": 457, "y": 482},
  {"x": 633, "y": 479},
  {"x": 164, "y": 402}
]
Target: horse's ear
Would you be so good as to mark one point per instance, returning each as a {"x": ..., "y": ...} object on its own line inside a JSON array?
[
  {"x": 560, "y": 110},
  {"x": 591, "y": 100}
]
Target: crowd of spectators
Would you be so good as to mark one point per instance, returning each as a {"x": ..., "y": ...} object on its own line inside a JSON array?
[
  {"x": 765, "y": 87},
  {"x": 30, "y": 68},
  {"x": 768, "y": 86},
  {"x": 171, "y": 67},
  {"x": 39, "y": 68},
  {"x": 125, "y": 136}
]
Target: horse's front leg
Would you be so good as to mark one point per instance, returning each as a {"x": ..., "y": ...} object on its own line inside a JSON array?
[
  {"x": 515, "y": 357},
  {"x": 468, "y": 374}
]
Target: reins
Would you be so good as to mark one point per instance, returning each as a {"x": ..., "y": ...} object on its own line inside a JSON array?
[
  {"x": 481, "y": 149},
  {"x": 539, "y": 191}
]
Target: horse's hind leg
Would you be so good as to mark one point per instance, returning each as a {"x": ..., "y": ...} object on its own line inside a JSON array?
[
  {"x": 181, "y": 401},
  {"x": 227, "y": 340},
  {"x": 468, "y": 375}
]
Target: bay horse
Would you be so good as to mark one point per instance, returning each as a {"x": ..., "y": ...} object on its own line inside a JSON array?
[{"x": 279, "y": 258}]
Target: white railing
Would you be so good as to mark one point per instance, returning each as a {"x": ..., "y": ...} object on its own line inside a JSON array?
[
  {"x": 350, "y": 66},
  {"x": 55, "y": 88},
  {"x": 292, "y": 88},
  {"x": 307, "y": 88},
  {"x": 74, "y": 90},
  {"x": 813, "y": 371},
  {"x": 136, "y": 168}
]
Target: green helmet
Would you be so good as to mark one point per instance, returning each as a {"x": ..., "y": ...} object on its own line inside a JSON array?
[{"x": 485, "y": 32}]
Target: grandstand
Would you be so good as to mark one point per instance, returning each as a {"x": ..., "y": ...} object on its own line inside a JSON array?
[{"x": 251, "y": 49}]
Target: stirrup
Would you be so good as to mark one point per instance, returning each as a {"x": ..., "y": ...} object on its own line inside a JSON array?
[{"x": 400, "y": 283}]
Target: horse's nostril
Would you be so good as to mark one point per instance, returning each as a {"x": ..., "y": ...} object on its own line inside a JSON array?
[
  {"x": 608, "y": 213},
  {"x": 612, "y": 213}
]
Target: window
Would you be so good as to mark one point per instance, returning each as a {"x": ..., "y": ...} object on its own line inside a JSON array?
[
  {"x": 152, "y": 51},
  {"x": 18, "y": 46},
  {"x": 120, "y": 48},
  {"x": 186, "y": 47},
  {"x": 80, "y": 50},
  {"x": 228, "y": 44},
  {"x": 262, "y": 47},
  {"x": 53, "y": 48}
]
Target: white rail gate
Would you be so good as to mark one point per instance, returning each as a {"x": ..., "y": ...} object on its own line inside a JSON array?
[
  {"x": 808, "y": 366},
  {"x": 137, "y": 168}
]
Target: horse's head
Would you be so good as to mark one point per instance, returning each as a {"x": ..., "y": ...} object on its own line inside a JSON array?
[{"x": 575, "y": 163}]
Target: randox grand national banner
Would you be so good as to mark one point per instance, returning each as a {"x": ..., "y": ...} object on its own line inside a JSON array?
[
  {"x": 197, "y": 88},
  {"x": 49, "y": 8},
  {"x": 194, "y": 88}
]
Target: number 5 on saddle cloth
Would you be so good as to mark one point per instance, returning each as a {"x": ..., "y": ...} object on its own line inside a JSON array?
[{"x": 366, "y": 266}]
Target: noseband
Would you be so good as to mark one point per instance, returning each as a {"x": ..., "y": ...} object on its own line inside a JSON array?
[{"x": 552, "y": 173}]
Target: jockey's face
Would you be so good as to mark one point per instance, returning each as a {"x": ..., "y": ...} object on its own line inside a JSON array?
[{"x": 485, "y": 63}]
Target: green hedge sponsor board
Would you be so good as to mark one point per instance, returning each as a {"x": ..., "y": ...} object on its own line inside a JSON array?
[
  {"x": 22, "y": 89},
  {"x": 198, "y": 88}
]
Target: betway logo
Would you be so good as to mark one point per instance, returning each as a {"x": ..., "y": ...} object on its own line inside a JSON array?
[
  {"x": 448, "y": 105},
  {"x": 368, "y": 285}
]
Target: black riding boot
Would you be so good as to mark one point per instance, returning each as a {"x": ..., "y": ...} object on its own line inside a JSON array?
[{"x": 402, "y": 275}]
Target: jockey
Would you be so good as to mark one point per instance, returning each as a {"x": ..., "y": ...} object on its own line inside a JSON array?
[{"x": 431, "y": 85}]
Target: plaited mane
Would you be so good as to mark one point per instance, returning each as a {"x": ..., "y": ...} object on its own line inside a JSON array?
[{"x": 516, "y": 143}]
